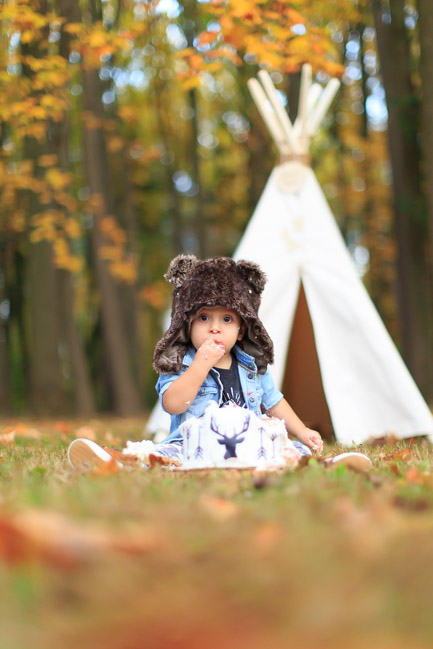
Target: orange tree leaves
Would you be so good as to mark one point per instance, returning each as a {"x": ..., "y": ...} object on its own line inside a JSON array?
[{"x": 277, "y": 35}]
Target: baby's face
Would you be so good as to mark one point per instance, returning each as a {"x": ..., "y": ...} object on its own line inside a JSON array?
[{"x": 219, "y": 324}]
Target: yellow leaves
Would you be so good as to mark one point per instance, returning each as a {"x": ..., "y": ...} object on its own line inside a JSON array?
[
  {"x": 191, "y": 82},
  {"x": 115, "y": 144},
  {"x": 48, "y": 160},
  {"x": 44, "y": 225},
  {"x": 51, "y": 225},
  {"x": 57, "y": 179},
  {"x": 63, "y": 257},
  {"x": 72, "y": 228},
  {"x": 95, "y": 204},
  {"x": 295, "y": 17},
  {"x": 111, "y": 230},
  {"x": 125, "y": 270},
  {"x": 27, "y": 36},
  {"x": 18, "y": 220},
  {"x": 128, "y": 114},
  {"x": 206, "y": 38},
  {"x": 123, "y": 265},
  {"x": 262, "y": 29},
  {"x": 91, "y": 122},
  {"x": 156, "y": 295},
  {"x": 97, "y": 38},
  {"x": 74, "y": 29}
]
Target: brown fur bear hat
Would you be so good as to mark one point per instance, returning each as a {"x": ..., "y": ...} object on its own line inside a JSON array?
[{"x": 219, "y": 281}]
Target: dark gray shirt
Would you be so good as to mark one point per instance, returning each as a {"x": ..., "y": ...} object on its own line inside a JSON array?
[{"x": 232, "y": 391}]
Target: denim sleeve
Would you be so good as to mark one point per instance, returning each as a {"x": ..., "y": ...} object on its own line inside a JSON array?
[
  {"x": 163, "y": 383},
  {"x": 271, "y": 396}
]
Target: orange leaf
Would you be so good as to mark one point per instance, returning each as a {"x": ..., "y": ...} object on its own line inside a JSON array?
[
  {"x": 414, "y": 476},
  {"x": 219, "y": 508},
  {"x": 295, "y": 17},
  {"x": 87, "y": 432},
  {"x": 107, "y": 468},
  {"x": 7, "y": 438}
]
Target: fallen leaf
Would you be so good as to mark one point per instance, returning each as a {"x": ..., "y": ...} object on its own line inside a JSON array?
[
  {"x": 7, "y": 438},
  {"x": 219, "y": 508},
  {"x": 107, "y": 468},
  {"x": 415, "y": 477},
  {"x": 31, "y": 433},
  {"x": 266, "y": 536},
  {"x": 45, "y": 536},
  {"x": 86, "y": 432},
  {"x": 62, "y": 426}
]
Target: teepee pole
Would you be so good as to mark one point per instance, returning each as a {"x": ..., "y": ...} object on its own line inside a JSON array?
[
  {"x": 322, "y": 106},
  {"x": 268, "y": 116},
  {"x": 303, "y": 103},
  {"x": 312, "y": 97},
  {"x": 280, "y": 112}
]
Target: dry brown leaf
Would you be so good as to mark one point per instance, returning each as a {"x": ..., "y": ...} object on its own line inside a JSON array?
[
  {"x": 31, "y": 433},
  {"x": 63, "y": 426},
  {"x": 87, "y": 432},
  {"x": 219, "y": 508},
  {"x": 7, "y": 438},
  {"x": 39, "y": 535},
  {"x": 107, "y": 468},
  {"x": 416, "y": 477},
  {"x": 266, "y": 536}
]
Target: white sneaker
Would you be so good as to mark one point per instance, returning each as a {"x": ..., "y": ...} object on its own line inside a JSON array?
[
  {"x": 85, "y": 454},
  {"x": 353, "y": 460}
]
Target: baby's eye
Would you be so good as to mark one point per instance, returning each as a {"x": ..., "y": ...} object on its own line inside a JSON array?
[
  {"x": 203, "y": 317},
  {"x": 227, "y": 318}
]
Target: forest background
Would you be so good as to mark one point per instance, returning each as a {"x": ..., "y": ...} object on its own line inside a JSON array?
[{"x": 128, "y": 135}]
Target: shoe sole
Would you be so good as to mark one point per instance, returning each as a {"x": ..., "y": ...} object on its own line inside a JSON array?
[
  {"x": 356, "y": 461},
  {"x": 85, "y": 454}
]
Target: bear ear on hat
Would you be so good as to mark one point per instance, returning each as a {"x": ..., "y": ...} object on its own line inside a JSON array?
[
  {"x": 252, "y": 274},
  {"x": 179, "y": 269}
]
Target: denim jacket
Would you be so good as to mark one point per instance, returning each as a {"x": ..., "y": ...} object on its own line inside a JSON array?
[{"x": 258, "y": 389}]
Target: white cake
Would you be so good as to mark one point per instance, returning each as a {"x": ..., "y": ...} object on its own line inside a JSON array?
[{"x": 234, "y": 437}]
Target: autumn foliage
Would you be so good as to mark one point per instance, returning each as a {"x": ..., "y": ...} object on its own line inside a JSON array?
[{"x": 128, "y": 135}]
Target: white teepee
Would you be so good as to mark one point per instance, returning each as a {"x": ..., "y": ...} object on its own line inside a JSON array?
[{"x": 334, "y": 360}]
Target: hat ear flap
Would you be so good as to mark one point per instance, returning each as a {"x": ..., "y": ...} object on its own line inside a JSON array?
[
  {"x": 252, "y": 274},
  {"x": 179, "y": 269}
]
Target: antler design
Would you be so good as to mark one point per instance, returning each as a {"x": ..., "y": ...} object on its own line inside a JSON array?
[{"x": 230, "y": 442}]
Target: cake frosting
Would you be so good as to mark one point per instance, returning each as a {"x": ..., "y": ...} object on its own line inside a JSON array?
[{"x": 234, "y": 437}]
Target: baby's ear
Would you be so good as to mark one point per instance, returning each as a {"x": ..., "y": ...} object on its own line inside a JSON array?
[
  {"x": 179, "y": 269},
  {"x": 252, "y": 274}
]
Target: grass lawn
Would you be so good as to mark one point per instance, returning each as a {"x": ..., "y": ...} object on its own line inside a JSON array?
[{"x": 128, "y": 559}]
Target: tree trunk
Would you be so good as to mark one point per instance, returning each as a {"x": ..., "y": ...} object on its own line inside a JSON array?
[
  {"x": 46, "y": 382},
  {"x": 199, "y": 215},
  {"x": 124, "y": 389},
  {"x": 82, "y": 386},
  {"x": 199, "y": 207},
  {"x": 410, "y": 227},
  {"x": 4, "y": 334},
  {"x": 426, "y": 67},
  {"x": 83, "y": 393},
  {"x": 47, "y": 394},
  {"x": 174, "y": 207}
]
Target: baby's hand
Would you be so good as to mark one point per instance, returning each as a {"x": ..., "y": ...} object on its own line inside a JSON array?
[
  {"x": 313, "y": 440},
  {"x": 211, "y": 352}
]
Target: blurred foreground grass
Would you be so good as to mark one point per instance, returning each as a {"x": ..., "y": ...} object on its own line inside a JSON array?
[{"x": 129, "y": 559}]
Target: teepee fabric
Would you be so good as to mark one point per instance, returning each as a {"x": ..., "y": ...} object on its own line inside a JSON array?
[{"x": 368, "y": 389}]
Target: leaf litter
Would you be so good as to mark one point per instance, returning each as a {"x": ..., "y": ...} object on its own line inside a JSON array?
[{"x": 216, "y": 548}]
